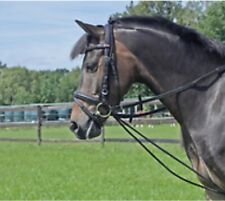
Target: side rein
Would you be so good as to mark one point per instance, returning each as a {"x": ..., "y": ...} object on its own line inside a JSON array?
[{"x": 104, "y": 109}]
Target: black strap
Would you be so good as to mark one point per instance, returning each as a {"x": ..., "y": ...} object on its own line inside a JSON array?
[
  {"x": 219, "y": 70},
  {"x": 90, "y": 114},
  {"x": 97, "y": 47},
  {"x": 107, "y": 64},
  {"x": 89, "y": 99},
  {"x": 135, "y": 115},
  {"x": 125, "y": 126}
]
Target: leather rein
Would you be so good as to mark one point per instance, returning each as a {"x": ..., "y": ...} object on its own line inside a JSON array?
[{"x": 104, "y": 109}]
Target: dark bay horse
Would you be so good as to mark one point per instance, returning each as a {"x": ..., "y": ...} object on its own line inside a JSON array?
[{"x": 163, "y": 55}]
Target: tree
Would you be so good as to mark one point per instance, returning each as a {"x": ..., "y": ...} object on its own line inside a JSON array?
[
  {"x": 167, "y": 9},
  {"x": 14, "y": 85},
  {"x": 67, "y": 86},
  {"x": 19, "y": 85},
  {"x": 2, "y": 65},
  {"x": 213, "y": 22},
  {"x": 188, "y": 13},
  {"x": 49, "y": 83},
  {"x": 138, "y": 89}
]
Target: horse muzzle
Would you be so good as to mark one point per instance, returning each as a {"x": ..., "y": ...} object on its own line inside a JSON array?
[{"x": 90, "y": 130}]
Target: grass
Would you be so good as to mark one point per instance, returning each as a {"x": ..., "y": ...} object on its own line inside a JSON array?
[
  {"x": 158, "y": 131},
  {"x": 117, "y": 171}
]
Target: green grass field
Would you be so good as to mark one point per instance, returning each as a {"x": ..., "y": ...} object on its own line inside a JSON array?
[{"x": 88, "y": 171}]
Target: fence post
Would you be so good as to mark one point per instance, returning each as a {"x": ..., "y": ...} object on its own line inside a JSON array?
[
  {"x": 103, "y": 136},
  {"x": 39, "y": 124}
]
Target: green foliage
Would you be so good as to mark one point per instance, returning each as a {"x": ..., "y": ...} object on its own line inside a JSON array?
[
  {"x": 188, "y": 13},
  {"x": 167, "y": 9},
  {"x": 213, "y": 23},
  {"x": 19, "y": 85},
  {"x": 138, "y": 89},
  {"x": 14, "y": 83},
  {"x": 2, "y": 65},
  {"x": 67, "y": 85}
]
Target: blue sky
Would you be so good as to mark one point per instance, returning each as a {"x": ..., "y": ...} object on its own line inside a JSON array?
[{"x": 40, "y": 35}]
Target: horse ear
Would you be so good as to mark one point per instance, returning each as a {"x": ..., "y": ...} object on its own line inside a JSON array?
[{"x": 90, "y": 29}]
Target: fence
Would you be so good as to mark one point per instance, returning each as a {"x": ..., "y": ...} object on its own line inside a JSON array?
[{"x": 39, "y": 115}]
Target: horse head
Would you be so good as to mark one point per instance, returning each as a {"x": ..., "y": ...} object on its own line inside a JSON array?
[{"x": 105, "y": 78}]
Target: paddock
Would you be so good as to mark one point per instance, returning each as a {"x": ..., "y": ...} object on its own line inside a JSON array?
[
  {"x": 43, "y": 160},
  {"x": 84, "y": 171}
]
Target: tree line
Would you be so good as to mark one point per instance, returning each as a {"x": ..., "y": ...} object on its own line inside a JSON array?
[
  {"x": 206, "y": 16},
  {"x": 18, "y": 85}
]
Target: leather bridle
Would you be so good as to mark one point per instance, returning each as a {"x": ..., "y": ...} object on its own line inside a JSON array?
[{"x": 103, "y": 108}]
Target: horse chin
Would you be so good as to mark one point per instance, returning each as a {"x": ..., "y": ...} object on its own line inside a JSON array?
[{"x": 91, "y": 130}]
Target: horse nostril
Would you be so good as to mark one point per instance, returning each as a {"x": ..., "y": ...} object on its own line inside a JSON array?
[{"x": 73, "y": 126}]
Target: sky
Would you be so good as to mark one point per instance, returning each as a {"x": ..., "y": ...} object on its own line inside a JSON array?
[{"x": 40, "y": 35}]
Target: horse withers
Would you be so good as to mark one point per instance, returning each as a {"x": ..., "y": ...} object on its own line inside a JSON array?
[{"x": 163, "y": 55}]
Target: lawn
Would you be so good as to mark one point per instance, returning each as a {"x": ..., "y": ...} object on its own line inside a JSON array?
[
  {"x": 157, "y": 131},
  {"x": 88, "y": 171}
]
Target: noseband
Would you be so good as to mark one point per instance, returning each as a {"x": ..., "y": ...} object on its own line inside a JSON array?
[{"x": 103, "y": 108}]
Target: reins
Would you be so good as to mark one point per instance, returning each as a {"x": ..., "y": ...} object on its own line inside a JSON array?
[
  {"x": 104, "y": 109},
  {"x": 219, "y": 70},
  {"x": 128, "y": 128}
]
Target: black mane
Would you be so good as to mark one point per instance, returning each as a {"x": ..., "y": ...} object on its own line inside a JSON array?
[{"x": 189, "y": 35}]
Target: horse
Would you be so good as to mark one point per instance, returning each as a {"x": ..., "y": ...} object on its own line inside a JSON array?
[{"x": 163, "y": 55}]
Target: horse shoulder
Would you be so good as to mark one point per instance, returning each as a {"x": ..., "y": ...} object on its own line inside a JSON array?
[{"x": 206, "y": 138}]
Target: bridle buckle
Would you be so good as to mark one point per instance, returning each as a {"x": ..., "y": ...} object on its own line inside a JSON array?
[{"x": 103, "y": 110}]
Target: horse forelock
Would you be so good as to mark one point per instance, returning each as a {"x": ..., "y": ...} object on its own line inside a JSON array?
[
  {"x": 188, "y": 35},
  {"x": 79, "y": 47}
]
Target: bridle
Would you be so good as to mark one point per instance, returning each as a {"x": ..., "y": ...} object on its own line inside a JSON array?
[{"x": 104, "y": 109}]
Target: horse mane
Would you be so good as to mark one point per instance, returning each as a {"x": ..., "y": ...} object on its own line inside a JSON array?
[{"x": 188, "y": 35}]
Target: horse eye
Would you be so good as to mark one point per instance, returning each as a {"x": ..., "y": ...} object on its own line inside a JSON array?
[{"x": 91, "y": 67}]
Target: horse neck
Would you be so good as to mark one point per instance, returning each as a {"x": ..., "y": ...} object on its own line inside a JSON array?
[{"x": 166, "y": 62}]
